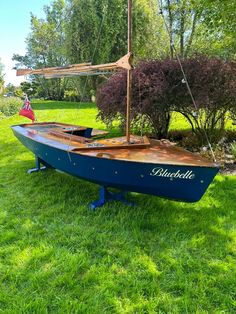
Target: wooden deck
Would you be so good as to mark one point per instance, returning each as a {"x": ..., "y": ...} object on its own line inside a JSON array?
[
  {"x": 158, "y": 152},
  {"x": 140, "y": 149}
]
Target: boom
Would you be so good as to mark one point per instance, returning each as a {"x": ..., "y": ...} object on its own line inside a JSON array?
[{"x": 81, "y": 69}]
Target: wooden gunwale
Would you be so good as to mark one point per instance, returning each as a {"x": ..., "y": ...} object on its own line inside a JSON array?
[{"x": 95, "y": 132}]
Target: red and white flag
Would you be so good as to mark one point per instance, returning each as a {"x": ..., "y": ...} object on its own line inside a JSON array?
[{"x": 27, "y": 111}]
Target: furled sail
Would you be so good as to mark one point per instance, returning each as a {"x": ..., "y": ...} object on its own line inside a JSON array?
[{"x": 81, "y": 69}]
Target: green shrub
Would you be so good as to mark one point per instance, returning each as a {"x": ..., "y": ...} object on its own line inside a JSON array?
[
  {"x": 71, "y": 95},
  {"x": 233, "y": 149},
  {"x": 2, "y": 116},
  {"x": 9, "y": 106}
]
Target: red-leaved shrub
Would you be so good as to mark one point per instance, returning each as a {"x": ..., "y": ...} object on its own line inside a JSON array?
[{"x": 159, "y": 88}]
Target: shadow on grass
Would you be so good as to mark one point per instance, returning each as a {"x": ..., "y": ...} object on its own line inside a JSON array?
[
  {"x": 51, "y": 105},
  {"x": 57, "y": 256},
  {"x": 173, "y": 256}
]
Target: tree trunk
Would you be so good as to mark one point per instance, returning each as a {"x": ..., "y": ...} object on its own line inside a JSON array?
[
  {"x": 182, "y": 30},
  {"x": 170, "y": 28}
]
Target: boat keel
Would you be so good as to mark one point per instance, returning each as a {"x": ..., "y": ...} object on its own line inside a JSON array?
[
  {"x": 38, "y": 162},
  {"x": 105, "y": 196}
]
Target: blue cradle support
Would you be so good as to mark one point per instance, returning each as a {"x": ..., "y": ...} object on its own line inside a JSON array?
[
  {"x": 38, "y": 162},
  {"x": 105, "y": 196}
]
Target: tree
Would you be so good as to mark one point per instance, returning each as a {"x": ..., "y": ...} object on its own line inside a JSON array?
[
  {"x": 220, "y": 20},
  {"x": 1, "y": 77},
  {"x": 10, "y": 88},
  {"x": 201, "y": 26},
  {"x": 45, "y": 48},
  {"x": 89, "y": 30},
  {"x": 182, "y": 19},
  {"x": 29, "y": 88},
  {"x": 97, "y": 31}
]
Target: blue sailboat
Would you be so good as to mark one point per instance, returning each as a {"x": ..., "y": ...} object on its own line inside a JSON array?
[{"x": 129, "y": 163}]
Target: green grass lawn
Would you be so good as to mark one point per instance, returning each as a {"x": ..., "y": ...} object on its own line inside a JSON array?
[{"x": 57, "y": 256}]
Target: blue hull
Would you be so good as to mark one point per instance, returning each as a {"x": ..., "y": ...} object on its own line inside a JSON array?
[{"x": 177, "y": 182}]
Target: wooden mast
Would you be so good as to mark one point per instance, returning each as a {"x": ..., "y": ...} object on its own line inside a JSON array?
[{"x": 129, "y": 73}]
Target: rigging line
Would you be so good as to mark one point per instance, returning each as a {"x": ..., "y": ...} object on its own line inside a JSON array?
[
  {"x": 185, "y": 79},
  {"x": 140, "y": 104},
  {"x": 86, "y": 81}
]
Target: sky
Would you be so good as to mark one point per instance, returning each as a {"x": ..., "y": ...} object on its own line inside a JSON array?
[{"x": 14, "y": 28}]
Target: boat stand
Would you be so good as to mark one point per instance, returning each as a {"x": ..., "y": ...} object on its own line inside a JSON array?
[
  {"x": 106, "y": 196},
  {"x": 38, "y": 162}
]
